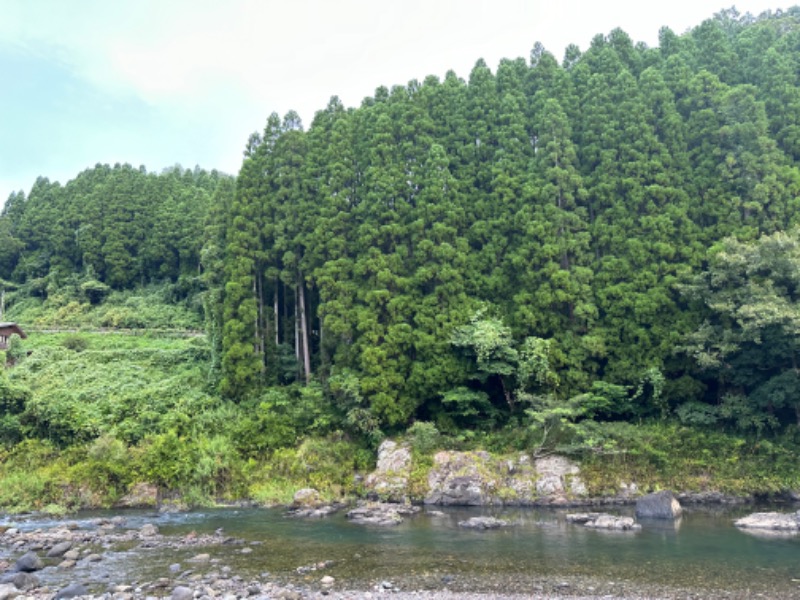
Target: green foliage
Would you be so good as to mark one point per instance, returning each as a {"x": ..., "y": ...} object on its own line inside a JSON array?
[
  {"x": 340, "y": 277},
  {"x": 150, "y": 307},
  {"x": 747, "y": 346},
  {"x": 672, "y": 456},
  {"x": 425, "y": 438},
  {"x": 76, "y": 343}
]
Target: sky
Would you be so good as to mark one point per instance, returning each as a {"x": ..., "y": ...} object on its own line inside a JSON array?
[{"x": 165, "y": 82}]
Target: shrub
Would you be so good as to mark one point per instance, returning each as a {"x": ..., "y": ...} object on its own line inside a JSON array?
[
  {"x": 425, "y": 438},
  {"x": 76, "y": 343}
]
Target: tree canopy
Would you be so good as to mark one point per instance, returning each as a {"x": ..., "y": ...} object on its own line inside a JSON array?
[{"x": 606, "y": 229}]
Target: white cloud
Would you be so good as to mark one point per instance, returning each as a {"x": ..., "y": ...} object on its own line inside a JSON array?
[{"x": 217, "y": 69}]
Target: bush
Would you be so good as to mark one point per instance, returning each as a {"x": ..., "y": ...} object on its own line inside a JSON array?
[
  {"x": 76, "y": 343},
  {"x": 425, "y": 438}
]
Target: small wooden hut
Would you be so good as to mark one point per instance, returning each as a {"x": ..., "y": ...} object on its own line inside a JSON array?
[{"x": 6, "y": 331}]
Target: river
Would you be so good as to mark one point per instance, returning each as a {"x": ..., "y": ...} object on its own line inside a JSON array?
[{"x": 702, "y": 552}]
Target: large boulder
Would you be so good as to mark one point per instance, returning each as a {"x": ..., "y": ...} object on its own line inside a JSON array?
[
  {"x": 21, "y": 580},
  {"x": 29, "y": 562},
  {"x": 771, "y": 521},
  {"x": 59, "y": 549},
  {"x": 389, "y": 481},
  {"x": 660, "y": 505}
]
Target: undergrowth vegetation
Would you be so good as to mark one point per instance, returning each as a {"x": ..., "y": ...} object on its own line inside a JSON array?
[
  {"x": 87, "y": 416},
  {"x": 81, "y": 302}
]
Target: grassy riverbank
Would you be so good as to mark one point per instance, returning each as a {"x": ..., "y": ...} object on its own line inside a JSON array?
[{"x": 86, "y": 416}]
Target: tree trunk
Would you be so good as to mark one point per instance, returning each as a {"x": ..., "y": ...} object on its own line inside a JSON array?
[
  {"x": 261, "y": 324},
  {"x": 277, "y": 316},
  {"x": 296, "y": 328},
  {"x": 304, "y": 328},
  {"x": 255, "y": 324}
]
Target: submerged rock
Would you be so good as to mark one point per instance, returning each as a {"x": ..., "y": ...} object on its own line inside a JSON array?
[
  {"x": 314, "y": 512},
  {"x": 381, "y": 513},
  {"x": 603, "y": 521},
  {"x": 483, "y": 523},
  {"x": 773, "y": 521},
  {"x": 660, "y": 505}
]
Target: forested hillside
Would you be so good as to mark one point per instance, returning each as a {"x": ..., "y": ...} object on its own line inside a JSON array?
[
  {"x": 125, "y": 226},
  {"x": 460, "y": 251},
  {"x": 536, "y": 257}
]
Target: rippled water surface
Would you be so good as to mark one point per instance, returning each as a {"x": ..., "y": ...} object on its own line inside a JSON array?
[{"x": 702, "y": 551}]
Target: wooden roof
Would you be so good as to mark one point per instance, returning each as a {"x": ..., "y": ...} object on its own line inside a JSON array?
[{"x": 8, "y": 329}]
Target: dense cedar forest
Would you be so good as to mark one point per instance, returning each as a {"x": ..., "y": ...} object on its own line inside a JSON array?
[{"x": 609, "y": 237}]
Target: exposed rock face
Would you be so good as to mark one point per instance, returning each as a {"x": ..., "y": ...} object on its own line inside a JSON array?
[
  {"x": 462, "y": 479},
  {"x": 478, "y": 479},
  {"x": 390, "y": 479},
  {"x": 660, "y": 505},
  {"x": 558, "y": 478},
  {"x": 483, "y": 523},
  {"x": 307, "y": 498},
  {"x": 772, "y": 521},
  {"x": 141, "y": 495},
  {"x": 604, "y": 521},
  {"x": 381, "y": 513}
]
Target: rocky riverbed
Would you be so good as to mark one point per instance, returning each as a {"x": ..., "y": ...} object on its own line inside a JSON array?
[{"x": 96, "y": 559}]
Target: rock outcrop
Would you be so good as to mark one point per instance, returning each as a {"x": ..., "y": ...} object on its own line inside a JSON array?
[
  {"x": 479, "y": 479},
  {"x": 389, "y": 481},
  {"x": 660, "y": 505},
  {"x": 141, "y": 495}
]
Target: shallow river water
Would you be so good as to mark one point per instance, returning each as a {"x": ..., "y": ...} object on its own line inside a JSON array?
[{"x": 703, "y": 551}]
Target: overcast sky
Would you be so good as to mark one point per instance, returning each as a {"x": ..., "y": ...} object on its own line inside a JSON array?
[{"x": 159, "y": 82}]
